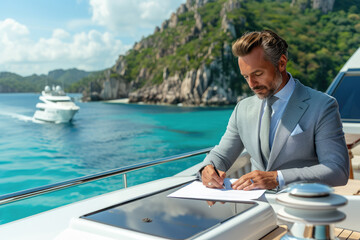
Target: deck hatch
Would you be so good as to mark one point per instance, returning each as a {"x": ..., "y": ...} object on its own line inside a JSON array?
[{"x": 168, "y": 217}]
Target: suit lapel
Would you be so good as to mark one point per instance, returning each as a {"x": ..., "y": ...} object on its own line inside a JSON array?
[
  {"x": 291, "y": 116},
  {"x": 253, "y": 113}
]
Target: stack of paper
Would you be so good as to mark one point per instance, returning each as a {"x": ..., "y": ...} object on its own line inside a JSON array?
[{"x": 196, "y": 190}]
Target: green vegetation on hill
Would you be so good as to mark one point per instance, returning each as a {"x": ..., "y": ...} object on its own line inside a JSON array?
[
  {"x": 319, "y": 44},
  {"x": 167, "y": 49},
  {"x": 80, "y": 85},
  {"x": 10, "y": 82},
  {"x": 69, "y": 76}
]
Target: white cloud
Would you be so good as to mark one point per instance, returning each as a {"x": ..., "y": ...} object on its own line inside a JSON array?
[
  {"x": 60, "y": 34},
  {"x": 135, "y": 18},
  {"x": 9, "y": 27},
  {"x": 91, "y": 50},
  {"x": 87, "y": 49}
]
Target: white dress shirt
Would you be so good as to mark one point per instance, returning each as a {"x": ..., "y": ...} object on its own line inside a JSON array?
[{"x": 278, "y": 109}]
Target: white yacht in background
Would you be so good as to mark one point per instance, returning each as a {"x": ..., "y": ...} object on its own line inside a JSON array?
[{"x": 56, "y": 106}]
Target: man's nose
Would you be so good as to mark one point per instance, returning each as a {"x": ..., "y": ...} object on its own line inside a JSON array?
[{"x": 252, "y": 82}]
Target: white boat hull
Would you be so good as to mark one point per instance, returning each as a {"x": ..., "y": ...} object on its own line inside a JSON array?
[{"x": 55, "y": 115}]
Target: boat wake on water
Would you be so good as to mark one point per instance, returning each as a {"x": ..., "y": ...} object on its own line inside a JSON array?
[
  {"x": 18, "y": 116},
  {"x": 21, "y": 117}
]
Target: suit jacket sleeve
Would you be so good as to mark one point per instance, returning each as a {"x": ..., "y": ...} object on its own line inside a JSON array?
[
  {"x": 330, "y": 148},
  {"x": 226, "y": 152}
]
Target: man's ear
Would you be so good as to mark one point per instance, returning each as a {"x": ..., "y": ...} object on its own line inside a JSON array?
[{"x": 282, "y": 63}]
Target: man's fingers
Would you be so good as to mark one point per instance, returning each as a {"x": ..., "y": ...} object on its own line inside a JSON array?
[
  {"x": 243, "y": 183},
  {"x": 235, "y": 184},
  {"x": 251, "y": 185},
  {"x": 256, "y": 180},
  {"x": 211, "y": 179},
  {"x": 238, "y": 183},
  {"x": 217, "y": 179},
  {"x": 214, "y": 184},
  {"x": 222, "y": 174}
]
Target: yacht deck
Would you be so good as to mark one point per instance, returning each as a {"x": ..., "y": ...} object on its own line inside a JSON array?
[{"x": 340, "y": 233}]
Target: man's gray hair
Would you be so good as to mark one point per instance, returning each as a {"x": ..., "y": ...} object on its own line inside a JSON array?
[{"x": 272, "y": 44}]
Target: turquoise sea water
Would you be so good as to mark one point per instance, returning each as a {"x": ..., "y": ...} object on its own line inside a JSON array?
[{"x": 102, "y": 136}]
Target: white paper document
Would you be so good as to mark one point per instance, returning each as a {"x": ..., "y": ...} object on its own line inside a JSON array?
[{"x": 196, "y": 190}]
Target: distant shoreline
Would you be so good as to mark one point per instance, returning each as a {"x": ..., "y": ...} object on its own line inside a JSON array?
[
  {"x": 120, "y": 100},
  {"x": 126, "y": 101}
]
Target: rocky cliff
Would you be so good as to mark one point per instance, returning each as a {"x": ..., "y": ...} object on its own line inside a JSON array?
[
  {"x": 200, "y": 77},
  {"x": 203, "y": 86},
  {"x": 324, "y": 5},
  {"x": 188, "y": 59}
]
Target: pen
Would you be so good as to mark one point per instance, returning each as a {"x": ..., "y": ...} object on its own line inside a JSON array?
[{"x": 217, "y": 172}]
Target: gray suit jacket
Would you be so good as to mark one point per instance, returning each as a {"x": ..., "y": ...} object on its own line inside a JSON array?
[{"x": 318, "y": 153}]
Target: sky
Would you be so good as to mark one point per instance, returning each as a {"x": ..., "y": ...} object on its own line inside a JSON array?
[{"x": 37, "y": 36}]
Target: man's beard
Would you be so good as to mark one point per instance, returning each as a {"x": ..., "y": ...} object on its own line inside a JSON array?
[{"x": 273, "y": 89}]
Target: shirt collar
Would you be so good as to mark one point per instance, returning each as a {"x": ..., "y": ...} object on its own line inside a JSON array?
[{"x": 286, "y": 92}]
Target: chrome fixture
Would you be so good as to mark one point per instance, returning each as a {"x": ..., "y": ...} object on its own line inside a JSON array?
[
  {"x": 16, "y": 196},
  {"x": 312, "y": 208}
]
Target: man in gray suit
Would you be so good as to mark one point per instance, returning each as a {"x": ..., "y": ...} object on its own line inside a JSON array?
[{"x": 292, "y": 132}]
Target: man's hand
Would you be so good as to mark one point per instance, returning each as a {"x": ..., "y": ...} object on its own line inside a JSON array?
[
  {"x": 256, "y": 180},
  {"x": 211, "y": 179}
]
